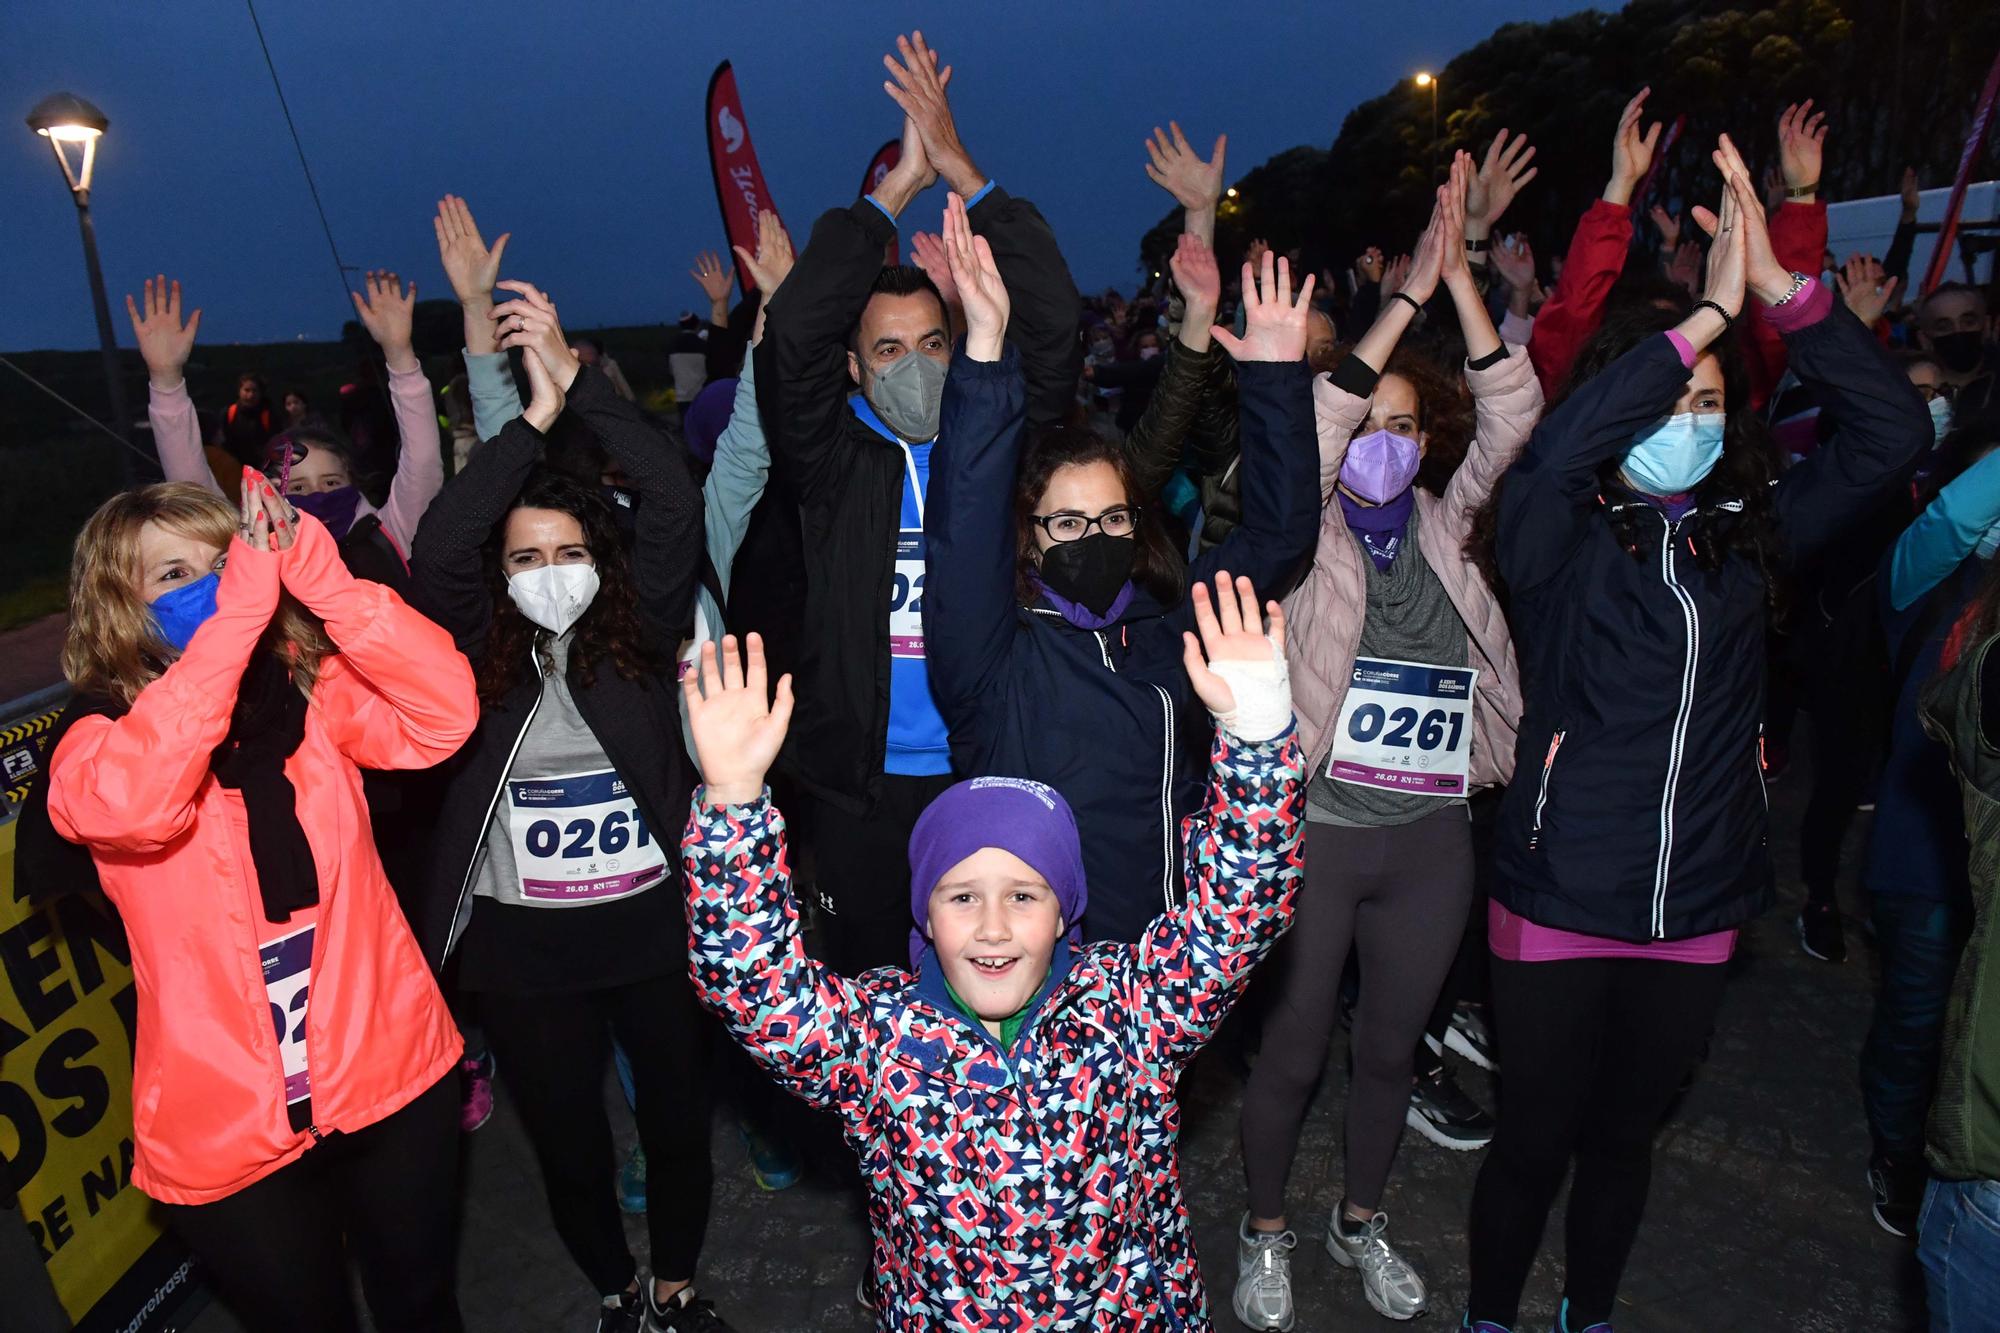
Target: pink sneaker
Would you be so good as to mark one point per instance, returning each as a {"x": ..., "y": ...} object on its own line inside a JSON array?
[{"x": 475, "y": 1105}]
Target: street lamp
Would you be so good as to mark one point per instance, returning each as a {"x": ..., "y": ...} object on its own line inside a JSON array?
[
  {"x": 65, "y": 119},
  {"x": 1425, "y": 79}
]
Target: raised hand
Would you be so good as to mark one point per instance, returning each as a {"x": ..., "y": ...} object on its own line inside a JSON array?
[
  {"x": 1514, "y": 261},
  {"x": 1395, "y": 275},
  {"x": 1912, "y": 194},
  {"x": 715, "y": 282},
  {"x": 470, "y": 266},
  {"x": 981, "y": 293},
  {"x": 1231, "y": 631},
  {"x": 1727, "y": 268},
  {"x": 1426, "y": 262},
  {"x": 1274, "y": 324},
  {"x": 1500, "y": 177},
  {"x": 1631, "y": 151},
  {"x": 1801, "y": 142},
  {"x": 1195, "y": 273},
  {"x": 736, "y": 723},
  {"x": 268, "y": 520},
  {"x": 917, "y": 85},
  {"x": 1451, "y": 196},
  {"x": 385, "y": 306},
  {"x": 773, "y": 261},
  {"x": 1685, "y": 266},
  {"x": 928, "y": 253},
  {"x": 1865, "y": 288},
  {"x": 545, "y": 398},
  {"x": 1669, "y": 228},
  {"x": 163, "y": 340},
  {"x": 530, "y": 322},
  {"x": 1175, "y": 168},
  {"x": 1766, "y": 277},
  {"x": 1368, "y": 264}
]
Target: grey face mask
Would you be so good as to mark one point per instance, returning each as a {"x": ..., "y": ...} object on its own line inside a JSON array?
[{"x": 908, "y": 395}]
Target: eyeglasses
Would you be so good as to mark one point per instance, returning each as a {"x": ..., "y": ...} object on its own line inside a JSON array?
[{"x": 1117, "y": 521}]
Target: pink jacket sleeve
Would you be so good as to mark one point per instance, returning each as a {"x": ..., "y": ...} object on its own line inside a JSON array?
[
  {"x": 1576, "y": 307},
  {"x": 129, "y": 784},
  {"x": 1798, "y": 241},
  {"x": 1507, "y": 402},
  {"x": 398, "y": 694},
  {"x": 1337, "y": 414},
  {"x": 419, "y": 464},
  {"x": 177, "y": 436}
]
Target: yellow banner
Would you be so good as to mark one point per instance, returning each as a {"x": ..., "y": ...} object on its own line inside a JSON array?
[{"x": 67, "y": 1008}]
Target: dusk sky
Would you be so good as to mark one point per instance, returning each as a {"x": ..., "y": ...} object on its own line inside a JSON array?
[{"x": 578, "y": 128}]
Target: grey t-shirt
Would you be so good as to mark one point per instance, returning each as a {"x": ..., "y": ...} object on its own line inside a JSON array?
[{"x": 1409, "y": 618}]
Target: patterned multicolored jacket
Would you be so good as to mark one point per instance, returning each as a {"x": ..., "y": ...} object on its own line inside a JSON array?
[{"x": 1037, "y": 1188}]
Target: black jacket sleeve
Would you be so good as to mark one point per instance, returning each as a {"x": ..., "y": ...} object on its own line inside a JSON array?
[
  {"x": 666, "y": 555},
  {"x": 802, "y": 379},
  {"x": 1896, "y": 264},
  {"x": 1882, "y": 428},
  {"x": 447, "y": 557},
  {"x": 1046, "y": 306},
  {"x": 1153, "y": 448}
]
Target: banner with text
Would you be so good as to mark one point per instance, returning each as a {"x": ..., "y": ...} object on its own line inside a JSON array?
[
  {"x": 739, "y": 181},
  {"x": 1982, "y": 122}
]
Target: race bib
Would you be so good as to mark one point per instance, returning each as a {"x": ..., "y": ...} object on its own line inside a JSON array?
[
  {"x": 287, "y": 974},
  {"x": 578, "y": 838},
  {"x": 1405, "y": 726},
  {"x": 906, "y": 596}
]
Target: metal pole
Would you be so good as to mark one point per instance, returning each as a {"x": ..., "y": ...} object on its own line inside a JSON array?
[{"x": 107, "y": 340}]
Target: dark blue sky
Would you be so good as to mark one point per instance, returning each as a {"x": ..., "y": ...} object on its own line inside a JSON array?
[{"x": 578, "y": 128}]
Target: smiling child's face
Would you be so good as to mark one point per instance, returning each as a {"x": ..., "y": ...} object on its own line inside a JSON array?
[{"x": 994, "y": 923}]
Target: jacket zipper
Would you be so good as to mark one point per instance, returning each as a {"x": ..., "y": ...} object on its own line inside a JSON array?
[
  {"x": 1690, "y": 662},
  {"x": 472, "y": 864},
  {"x": 312, "y": 1128},
  {"x": 1542, "y": 796},
  {"x": 1167, "y": 801},
  {"x": 1763, "y": 787}
]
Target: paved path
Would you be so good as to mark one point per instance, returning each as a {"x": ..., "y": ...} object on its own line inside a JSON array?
[{"x": 1758, "y": 1217}]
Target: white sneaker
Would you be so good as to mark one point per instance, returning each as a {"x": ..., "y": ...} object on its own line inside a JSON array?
[
  {"x": 1389, "y": 1283},
  {"x": 1263, "y": 1297}
]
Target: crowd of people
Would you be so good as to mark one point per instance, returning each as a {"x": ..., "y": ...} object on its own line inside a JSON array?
[{"x": 1407, "y": 648}]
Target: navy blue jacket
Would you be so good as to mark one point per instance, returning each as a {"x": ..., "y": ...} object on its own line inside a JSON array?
[
  {"x": 1637, "y": 811},
  {"x": 1107, "y": 717}
]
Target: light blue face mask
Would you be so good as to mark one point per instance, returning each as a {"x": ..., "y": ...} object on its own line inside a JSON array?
[
  {"x": 1673, "y": 457},
  {"x": 1940, "y": 420}
]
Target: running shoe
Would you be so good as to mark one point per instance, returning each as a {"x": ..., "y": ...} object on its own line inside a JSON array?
[
  {"x": 475, "y": 1091},
  {"x": 1387, "y": 1279},
  {"x": 632, "y": 1182},
  {"x": 683, "y": 1312},
  {"x": 1898, "y": 1186},
  {"x": 1441, "y": 1111},
  {"x": 1820, "y": 934},
  {"x": 1263, "y": 1299},
  {"x": 1562, "y": 1324},
  {"x": 1470, "y": 1037},
  {"x": 773, "y": 1163},
  {"x": 624, "y": 1313},
  {"x": 865, "y": 1294},
  {"x": 1465, "y": 1325}
]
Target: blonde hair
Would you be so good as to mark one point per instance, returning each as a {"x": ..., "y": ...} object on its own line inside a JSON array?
[{"x": 114, "y": 646}]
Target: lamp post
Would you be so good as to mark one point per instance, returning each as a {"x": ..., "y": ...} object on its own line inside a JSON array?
[
  {"x": 64, "y": 119},
  {"x": 1427, "y": 80}
]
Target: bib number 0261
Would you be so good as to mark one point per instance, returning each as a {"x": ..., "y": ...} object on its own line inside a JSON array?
[
  {"x": 609, "y": 836},
  {"x": 1429, "y": 730}
]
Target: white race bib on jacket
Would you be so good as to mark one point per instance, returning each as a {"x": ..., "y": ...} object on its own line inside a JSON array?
[
  {"x": 1405, "y": 726},
  {"x": 578, "y": 838},
  {"x": 287, "y": 964}
]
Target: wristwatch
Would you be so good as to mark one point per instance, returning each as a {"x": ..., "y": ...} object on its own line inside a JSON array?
[{"x": 1799, "y": 281}]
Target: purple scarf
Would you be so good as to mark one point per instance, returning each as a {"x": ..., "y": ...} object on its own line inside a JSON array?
[
  {"x": 1381, "y": 528},
  {"x": 1082, "y": 616}
]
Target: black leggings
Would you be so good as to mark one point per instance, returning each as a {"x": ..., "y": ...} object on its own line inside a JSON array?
[
  {"x": 278, "y": 1248},
  {"x": 1399, "y": 895},
  {"x": 552, "y": 1050},
  {"x": 1594, "y": 1051}
]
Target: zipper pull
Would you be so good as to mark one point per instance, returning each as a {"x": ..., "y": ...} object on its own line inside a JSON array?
[{"x": 314, "y": 1131}]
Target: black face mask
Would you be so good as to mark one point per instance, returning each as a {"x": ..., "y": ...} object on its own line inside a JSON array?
[
  {"x": 1089, "y": 571},
  {"x": 1959, "y": 352}
]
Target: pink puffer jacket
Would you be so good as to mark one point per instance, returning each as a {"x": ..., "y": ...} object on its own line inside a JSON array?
[{"x": 1323, "y": 616}]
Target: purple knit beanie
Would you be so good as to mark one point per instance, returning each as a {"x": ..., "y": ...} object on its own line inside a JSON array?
[
  {"x": 708, "y": 415},
  {"x": 1029, "y": 819}
]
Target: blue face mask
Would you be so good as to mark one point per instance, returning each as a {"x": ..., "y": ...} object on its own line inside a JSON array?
[
  {"x": 181, "y": 612},
  {"x": 1673, "y": 457}
]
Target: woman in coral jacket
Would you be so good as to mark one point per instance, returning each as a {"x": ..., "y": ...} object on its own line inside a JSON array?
[{"x": 232, "y": 679}]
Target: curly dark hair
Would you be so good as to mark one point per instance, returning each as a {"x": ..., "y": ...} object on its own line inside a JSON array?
[
  {"x": 1743, "y": 478},
  {"x": 608, "y": 630},
  {"x": 1156, "y": 566}
]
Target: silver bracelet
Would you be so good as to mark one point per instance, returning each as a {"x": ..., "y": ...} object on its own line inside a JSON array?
[{"x": 1799, "y": 281}]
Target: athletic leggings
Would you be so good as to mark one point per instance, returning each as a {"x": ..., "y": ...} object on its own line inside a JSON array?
[
  {"x": 1594, "y": 1051},
  {"x": 1399, "y": 896},
  {"x": 389, "y": 1193},
  {"x": 552, "y": 1049}
]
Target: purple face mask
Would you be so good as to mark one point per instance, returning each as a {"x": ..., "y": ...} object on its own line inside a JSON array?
[
  {"x": 335, "y": 508},
  {"x": 1380, "y": 466}
]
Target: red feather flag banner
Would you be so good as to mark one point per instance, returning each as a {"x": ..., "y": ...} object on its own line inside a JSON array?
[
  {"x": 739, "y": 181},
  {"x": 1982, "y": 123},
  {"x": 885, "y": 160}
]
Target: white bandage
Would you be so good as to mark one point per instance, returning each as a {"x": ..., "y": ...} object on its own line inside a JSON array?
[{"x": 1263, "y": 693}]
